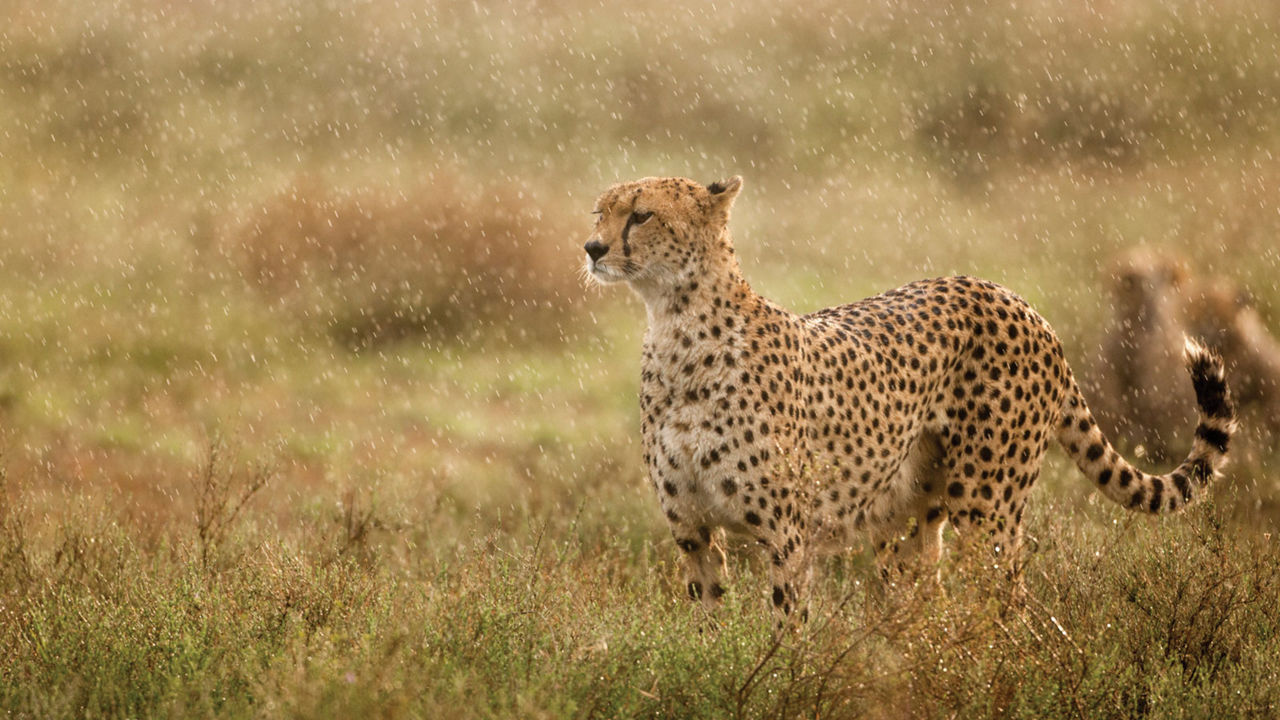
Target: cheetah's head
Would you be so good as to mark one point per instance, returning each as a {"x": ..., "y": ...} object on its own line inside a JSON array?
[
  {"x": 658, "y": 232},
  {"x": 1143, "y": 280}
]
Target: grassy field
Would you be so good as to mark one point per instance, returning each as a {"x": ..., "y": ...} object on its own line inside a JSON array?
[{"x": 305, "y": 409}]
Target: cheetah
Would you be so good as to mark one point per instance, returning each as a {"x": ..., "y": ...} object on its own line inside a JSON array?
[
  {"x": 887, "y": 418},
  {"x": 1156, "y": 302},
  {"x": 1136, "y": 391},
  {"x": 1225, "y": 316}
]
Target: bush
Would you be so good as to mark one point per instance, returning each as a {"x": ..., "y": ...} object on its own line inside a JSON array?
[
  {"x": 375, "y": 264},
  {"x": 972, "y": 126}
]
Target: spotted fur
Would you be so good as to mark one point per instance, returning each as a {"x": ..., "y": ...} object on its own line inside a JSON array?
[{"x": 929, "y": 404}]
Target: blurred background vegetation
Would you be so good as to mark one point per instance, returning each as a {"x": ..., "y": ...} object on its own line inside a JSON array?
[{"x": 341, "y": 241}]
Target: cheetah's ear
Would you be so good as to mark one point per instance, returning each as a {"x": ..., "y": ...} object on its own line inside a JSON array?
[
  {"x": 1179, "y": 270},
  {"x": 724, "y": 191},
  {"x": 1244, "y": 299}
]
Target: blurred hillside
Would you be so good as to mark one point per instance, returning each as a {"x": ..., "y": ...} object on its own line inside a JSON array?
[
  {"x": 196, "y": 187},
  {"x": 135, "y": 133},
  {"x": 345, "y": 237}
]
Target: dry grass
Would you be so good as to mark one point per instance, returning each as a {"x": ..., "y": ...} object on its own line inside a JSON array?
[{"x": 1120, "y": 617}]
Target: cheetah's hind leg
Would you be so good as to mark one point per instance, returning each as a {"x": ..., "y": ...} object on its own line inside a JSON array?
[{"x": 909, "y": 545}]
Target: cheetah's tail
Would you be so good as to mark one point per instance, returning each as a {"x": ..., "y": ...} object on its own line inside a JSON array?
[{"x": 1134, "y": 489}]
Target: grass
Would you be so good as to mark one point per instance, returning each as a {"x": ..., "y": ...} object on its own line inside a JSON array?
[
  {"x": 1122, "y": 618},
  {"x": 305, "y": 411}
]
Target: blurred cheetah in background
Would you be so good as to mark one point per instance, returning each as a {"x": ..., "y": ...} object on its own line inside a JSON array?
[
  {"x": 1138, "y": 389},
  {"x": 1226, "y": 318},
  {"x": 1138, "y": 392},
  {"x": 930, "y": 404}
]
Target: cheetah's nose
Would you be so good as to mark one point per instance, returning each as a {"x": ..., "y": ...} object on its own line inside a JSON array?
[{"x": 595, "y": 249}]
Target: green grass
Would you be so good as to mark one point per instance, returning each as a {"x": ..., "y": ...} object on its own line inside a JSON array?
[{"x": 453, "y": 519}]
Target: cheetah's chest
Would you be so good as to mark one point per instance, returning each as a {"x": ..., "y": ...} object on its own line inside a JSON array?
[{"x": 685, "y": 436}]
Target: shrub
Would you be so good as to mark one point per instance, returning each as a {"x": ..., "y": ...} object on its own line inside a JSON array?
[
  {"x": 445, "y": 257},
  {"x": 970, "y": 127}
]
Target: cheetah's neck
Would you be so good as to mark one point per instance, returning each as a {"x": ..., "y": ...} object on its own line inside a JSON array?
[{"x": 700, "y": 330}]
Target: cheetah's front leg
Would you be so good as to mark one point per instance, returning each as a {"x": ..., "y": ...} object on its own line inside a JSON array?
[
  {"x": 789, "y": 570},
  {"x": 704, "y": 564}
]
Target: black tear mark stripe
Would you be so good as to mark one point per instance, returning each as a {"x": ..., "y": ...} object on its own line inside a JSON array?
[{"x": 626, "y": 230}]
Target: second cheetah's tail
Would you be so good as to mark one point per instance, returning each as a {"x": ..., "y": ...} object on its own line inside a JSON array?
[{"x": 1136, "y": 490}]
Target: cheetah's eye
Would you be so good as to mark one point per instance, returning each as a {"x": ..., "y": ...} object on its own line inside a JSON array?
[{"x": 640, "y": 217}]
